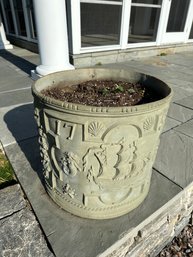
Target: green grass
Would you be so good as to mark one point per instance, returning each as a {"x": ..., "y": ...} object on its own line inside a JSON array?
[{"x": 6, "y": 171}]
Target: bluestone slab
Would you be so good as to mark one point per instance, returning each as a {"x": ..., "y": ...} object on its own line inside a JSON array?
[
  {"x": 17, "y": 123},
  {"x": 70, "y": 235},
  {"x": 170, "y": 123},
  {"x": 186, "y": 128},
  {"x": 180, "y": 113},
  {"x": 15, "y": 97},
  {"x": 186, "y": 102},
  {"x": 13, "y": 83},
  {"x": 175, "y": 157},
  {"x": 20, "y": 235},
  {"x": 179, "y": 93},
  {"x": 11, "y": 200}
]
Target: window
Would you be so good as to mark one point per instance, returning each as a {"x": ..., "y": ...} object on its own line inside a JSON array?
[
  {"x": 100, "y": 23},
  {"x": 144, "y": 19},
  {"x": 20, "y": 17},
  {"x": 31, "y": 17},
  {"x": 9, "y": 16},
  {"x": 178, "y": 15}
]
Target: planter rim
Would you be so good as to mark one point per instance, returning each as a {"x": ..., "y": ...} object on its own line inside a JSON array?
[{"x": 74, "y": 107}]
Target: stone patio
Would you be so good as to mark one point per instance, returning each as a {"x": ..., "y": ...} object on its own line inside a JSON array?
[{"x": 142, "y": 232}]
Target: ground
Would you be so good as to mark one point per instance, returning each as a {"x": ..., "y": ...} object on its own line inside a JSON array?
[{"x": 144, "y": 231}]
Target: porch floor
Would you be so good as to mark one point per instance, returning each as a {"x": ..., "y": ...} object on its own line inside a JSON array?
[{"x": 70, "y": 236}]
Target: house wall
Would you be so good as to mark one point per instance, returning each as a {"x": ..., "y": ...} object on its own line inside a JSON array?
[{"x": 103, "y": 25}]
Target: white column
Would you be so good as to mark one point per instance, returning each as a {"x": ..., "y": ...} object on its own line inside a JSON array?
[
  {"x": 4, "y": 43},
  {"x": 52, "y": 36}
]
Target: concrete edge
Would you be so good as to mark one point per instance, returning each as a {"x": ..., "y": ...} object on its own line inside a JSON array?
[{"x": 122, "y": 55}]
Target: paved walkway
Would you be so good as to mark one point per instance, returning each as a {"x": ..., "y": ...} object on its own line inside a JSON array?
[{"x": 70, "y": 236}]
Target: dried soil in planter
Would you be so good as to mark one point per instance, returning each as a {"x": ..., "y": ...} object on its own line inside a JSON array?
[{"x": 103, "y": 93}]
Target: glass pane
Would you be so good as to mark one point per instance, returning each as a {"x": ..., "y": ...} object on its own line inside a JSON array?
[
  {"x": 100, "y": 24},
  {"x": 20, "y": 17},
  {"x": 143, "y": 24},
  {"x": 147, "y": 2},
  {"x": 177, "y": 16},
  {"x": 31, "y": 17},
  {"x": 2, "y": 18},
  {"x": 191, "y": 32},
  {"x": 9, "y": 16}
]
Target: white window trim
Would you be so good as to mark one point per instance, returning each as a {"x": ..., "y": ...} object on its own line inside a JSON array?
[
  {"x": 22, "y": 37},
  {"x": 147, "y": 5},
  {"x": 190, "y": 23},
  {"x": 101, "y": 2},
  {"x": 75, "y": 21},
  {"x": 125, "y": 23}
]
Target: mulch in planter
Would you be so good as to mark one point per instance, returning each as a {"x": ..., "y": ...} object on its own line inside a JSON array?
[{"x": 103, "y": 93}]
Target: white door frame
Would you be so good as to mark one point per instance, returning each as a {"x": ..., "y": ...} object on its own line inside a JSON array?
[
  {"x": 174, "y": 37},
  {"x": 191, "y": 23}
]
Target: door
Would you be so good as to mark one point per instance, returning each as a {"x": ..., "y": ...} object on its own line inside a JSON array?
[{"x": 176, "y": 22}]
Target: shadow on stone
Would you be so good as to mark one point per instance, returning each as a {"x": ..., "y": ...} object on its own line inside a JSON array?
[
  {"x": 20, "y": 62},
  {"x": 21, "y": 124}
]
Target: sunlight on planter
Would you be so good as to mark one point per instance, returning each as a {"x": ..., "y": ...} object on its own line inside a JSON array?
[{"x": 98, "y": 160}]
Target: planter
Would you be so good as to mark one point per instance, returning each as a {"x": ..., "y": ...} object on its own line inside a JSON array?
[{"x": 98, "y": 160}]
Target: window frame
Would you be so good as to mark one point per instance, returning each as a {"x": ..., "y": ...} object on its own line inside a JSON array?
[{"x": 26, "y": 18}]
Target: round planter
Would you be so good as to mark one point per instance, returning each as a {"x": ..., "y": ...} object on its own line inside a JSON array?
[{"x": 98, "y": 161}]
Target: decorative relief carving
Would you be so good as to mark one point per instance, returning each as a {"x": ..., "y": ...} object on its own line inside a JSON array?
[
  {"x": 37, "y": 116},
  {"x": 95, "y": 128},
  {"x": 125, "y": 164},
  {"x": 93, "y": 162},
  {"x": 162, "y": 118},
  {"x": 44, "y": 152},
  {"x": 72, "y": 130},
  {"x": 45, "y": 159},
  {"x": 148, "y": 124},
  {"x": 110, "y": 161},
  {"x": 66, "y": 189},
  {"x": 70, "y": 164}
]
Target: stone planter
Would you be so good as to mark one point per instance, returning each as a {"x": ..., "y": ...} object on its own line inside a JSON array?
[{"x": 98, "y": 160}]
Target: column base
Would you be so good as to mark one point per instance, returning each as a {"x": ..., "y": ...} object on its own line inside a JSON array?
[
  {"x": 6, "y": 46},
  {"x": 43, "y": 70},
  {"x": 35, "y": 75}
]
